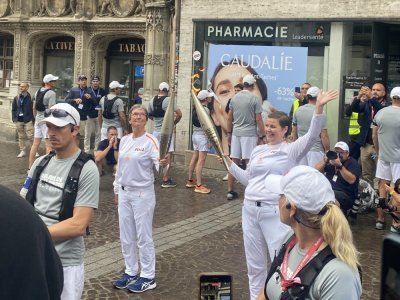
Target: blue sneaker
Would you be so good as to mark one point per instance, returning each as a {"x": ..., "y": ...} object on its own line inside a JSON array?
[
  {"x": 141, "y": 285},
  {"x": 168, "y": 184},
  {"x": 125, "y": 280}
]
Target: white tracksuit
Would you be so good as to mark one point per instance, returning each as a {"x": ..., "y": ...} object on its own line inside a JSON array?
[
  {"x": 134, "y": 184},
  {"x": 262, "y": 228}
]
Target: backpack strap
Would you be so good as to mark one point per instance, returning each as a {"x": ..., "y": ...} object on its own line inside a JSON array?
[
  {"x": 277, "y": 262},
  {"x": 307, "y": 274},
  {"x": 31, "y": 194},
  {"x": 70, "y": 191},
  {"x": 313, "y": 268}
]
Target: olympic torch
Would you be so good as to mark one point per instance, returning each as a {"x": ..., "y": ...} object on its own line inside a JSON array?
[
  {"x": 167, "y": 129},
  {"x": 208, "y": 127}
]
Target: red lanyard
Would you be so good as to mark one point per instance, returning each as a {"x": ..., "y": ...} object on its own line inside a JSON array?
[{"x": 288, "y": 281}]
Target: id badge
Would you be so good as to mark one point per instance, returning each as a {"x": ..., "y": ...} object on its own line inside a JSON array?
[
  {"x": 334, "y": 178},
  {"x": 80, "y": 106}
]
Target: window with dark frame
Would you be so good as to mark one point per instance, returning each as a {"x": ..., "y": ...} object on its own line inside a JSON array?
[{"x": 6, "y": 60}]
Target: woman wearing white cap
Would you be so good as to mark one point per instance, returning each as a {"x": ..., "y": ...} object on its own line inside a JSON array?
[
  {"x": 262, "y": 230},
  {"x": 320, "y": 233}
]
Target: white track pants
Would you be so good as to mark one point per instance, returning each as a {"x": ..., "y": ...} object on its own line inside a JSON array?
[
  {"x": 74, "y": 278},
  {"x": 262, "y": 234},
  {"x": 135, "y": 211}
]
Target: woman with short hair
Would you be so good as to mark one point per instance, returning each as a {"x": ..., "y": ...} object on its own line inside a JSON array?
[{"x": 136, "y": 200}]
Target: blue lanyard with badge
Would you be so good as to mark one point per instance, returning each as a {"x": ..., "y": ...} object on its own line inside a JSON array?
[
  {"x": 81, "y": 94},
  {"x": 21, "y": 102}
]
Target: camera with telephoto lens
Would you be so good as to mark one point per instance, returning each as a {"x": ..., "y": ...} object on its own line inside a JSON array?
[
  {"x": 384, "y": 204},
  {"x": 331, "y": 155}
]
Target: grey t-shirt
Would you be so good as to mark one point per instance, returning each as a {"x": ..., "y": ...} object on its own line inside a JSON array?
[
  {"x": 245, "y": 105},
  {"x": 302, "y": 119},
  {"x": 49, "y": 100},
  {"x": 116, "y": 109},
  {"x": 336, "y": 281},
  {"x": 159, "y": 120},
  {"x": 388, "y": 122},
  {"x": 49, "y": 195}
]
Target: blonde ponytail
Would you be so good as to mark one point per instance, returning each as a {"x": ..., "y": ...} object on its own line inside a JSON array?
[{"x": 337, "y": 233}]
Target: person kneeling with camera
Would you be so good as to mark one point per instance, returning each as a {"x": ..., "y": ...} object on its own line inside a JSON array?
[{"x": 343, "y": 172}]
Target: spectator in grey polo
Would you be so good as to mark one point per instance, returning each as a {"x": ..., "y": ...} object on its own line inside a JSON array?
[
  {"x": 112, "y": 112},
  {"x": 386, "y": 138}
]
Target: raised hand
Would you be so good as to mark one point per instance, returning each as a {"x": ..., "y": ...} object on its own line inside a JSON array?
[{"x": 323, "y": 98}]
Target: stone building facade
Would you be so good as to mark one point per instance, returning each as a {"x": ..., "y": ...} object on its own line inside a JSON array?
[{"x": 122, "y": 40}]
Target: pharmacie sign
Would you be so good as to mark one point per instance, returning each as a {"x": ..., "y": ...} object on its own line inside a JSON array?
[{"x": 303, "y": 32}]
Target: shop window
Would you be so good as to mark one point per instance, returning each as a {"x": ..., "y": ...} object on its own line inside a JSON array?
[
  {"x": 125, "y": 64},
  {"x": 6, "y": 60},
  {"x": 359, "y": 49},
  {"x": 59, "y": 61}
]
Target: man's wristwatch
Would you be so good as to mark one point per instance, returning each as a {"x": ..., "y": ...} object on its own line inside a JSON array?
[{"x": 339, "y": 167}]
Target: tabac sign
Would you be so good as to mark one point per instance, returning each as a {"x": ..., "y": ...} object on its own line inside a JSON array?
[{"x": 303, "y": 32}]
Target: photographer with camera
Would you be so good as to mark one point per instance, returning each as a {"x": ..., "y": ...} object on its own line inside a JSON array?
[{"x": 343, "y": 172}]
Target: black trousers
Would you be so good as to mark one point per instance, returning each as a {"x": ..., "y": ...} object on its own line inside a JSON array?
[{"x": 345, "y": 201}]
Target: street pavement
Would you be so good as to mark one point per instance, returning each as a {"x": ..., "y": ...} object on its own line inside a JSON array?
[{"x": 193, "y": 233}]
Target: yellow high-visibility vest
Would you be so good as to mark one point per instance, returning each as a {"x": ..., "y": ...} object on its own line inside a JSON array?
[
  {"x": 354, "y": 127},
  {"x": 296, "y": 104}
]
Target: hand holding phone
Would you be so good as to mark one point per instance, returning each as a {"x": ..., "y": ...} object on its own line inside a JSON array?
[
  {"x": 215, "y": 286},
  {"x": 297, "y": 89}
]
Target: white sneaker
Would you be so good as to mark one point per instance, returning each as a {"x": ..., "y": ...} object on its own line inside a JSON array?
[
  {"x": 21, "y": 154},
  {"x": 37, "y": 154},
  {"x": 225, "y": 178}
]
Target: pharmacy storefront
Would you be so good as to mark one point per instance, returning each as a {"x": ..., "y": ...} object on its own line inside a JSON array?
[{"x": 283, "y": 55}]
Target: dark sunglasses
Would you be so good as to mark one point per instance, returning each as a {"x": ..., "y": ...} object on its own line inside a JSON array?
[
  {"x": 58, "y": 113},
  {"x": 396, "y": 98}
]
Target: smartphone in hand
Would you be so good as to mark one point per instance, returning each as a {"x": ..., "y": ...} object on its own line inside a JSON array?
[
  {"x": 297, "y": 89},
  {"x": 215, "y": 286}
]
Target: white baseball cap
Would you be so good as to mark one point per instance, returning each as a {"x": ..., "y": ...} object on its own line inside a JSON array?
[
  {"x": 342, "y": 145},
  {"x": 115, "y": 84},
  {"x": 163, "y": 87},
  {"x": 61, "y": 114},
  {"x": 395, "y": 92},
  {"x": 203, "y": 94},
  {"x": 304, "y": 186},
  {"x": 49, "y": 77},
  {"x": 249, "y": 79},
  {"x": 313, "y": 91}
]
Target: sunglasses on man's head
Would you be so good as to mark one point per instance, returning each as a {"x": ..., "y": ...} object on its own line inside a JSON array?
[{"x": 58, "y": 113}]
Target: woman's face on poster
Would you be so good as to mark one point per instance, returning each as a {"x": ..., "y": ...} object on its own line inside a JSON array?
[{"x": 224, "y": 88}]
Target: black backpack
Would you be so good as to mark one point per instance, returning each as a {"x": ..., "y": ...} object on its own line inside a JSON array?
[
  {"x": 307, "y": 275},
  {"x": 70, "y": 189},
  {"x": 158, "y": 112},
  {"x": 39, "y": 105},
  {"x": 195, "y": 118},
  {"x": 108, "y": 105}
]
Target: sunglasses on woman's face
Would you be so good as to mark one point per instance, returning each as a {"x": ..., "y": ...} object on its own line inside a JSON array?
[{"x": 58, "y": 113}]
